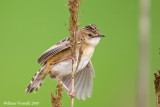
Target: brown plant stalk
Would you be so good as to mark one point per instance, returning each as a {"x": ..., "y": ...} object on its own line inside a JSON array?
[
  {"x": 157, "y": 88},
  {"x": 73, "y": 6},
  {"x": 56, "y": 98}
]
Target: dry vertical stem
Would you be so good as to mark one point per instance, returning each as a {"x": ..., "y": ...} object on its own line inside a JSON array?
[
  {"x": 56, "y": 99},
  {"x": 73, "y": 6},
  {"x": 157, "y": 87}
]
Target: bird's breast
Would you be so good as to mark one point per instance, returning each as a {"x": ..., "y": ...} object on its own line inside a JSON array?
[{"x": 86, "y": 56}]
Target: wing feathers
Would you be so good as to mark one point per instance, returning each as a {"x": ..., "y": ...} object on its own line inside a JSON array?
[
  {"x": 62, "y": 45},
  {"x": 80, "y": 85},
  {"x": 82, "y": 92},
  {"x": 83, "y": 82},
  {"x": 90, "y": 84}
]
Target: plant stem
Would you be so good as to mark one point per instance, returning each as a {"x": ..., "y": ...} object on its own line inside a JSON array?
[
  {"x": 73, "y": 6},
  {"x": 157, "y": 88},
  {"x": 144, "y": 29},
  {"x": 72, "y": 89}
]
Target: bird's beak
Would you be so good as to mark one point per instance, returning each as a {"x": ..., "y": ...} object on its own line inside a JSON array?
[{"x": 101, "y": 36}]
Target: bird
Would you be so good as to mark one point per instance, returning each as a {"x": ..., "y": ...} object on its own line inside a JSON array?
[{"x": 57, "y": 63}]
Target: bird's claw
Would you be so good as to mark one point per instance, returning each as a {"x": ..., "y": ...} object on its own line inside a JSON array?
[
  {"x": 72, "y": 94},
  {"x": 73, "y": 58}
]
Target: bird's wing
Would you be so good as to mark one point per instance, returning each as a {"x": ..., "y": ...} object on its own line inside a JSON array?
[
  {"x": 62, "y": 45},
  {"x": 83, "y": 82},
  {"x": 84, "y": 85}
]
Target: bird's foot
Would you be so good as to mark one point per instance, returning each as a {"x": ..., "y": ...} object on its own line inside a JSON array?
[
  {"x": 73, "y": 58},
  {"x": 72, "y": 94}
]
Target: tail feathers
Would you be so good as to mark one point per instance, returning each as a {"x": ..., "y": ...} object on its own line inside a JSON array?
[
  {"x": 83, "y": 82},
  {"x": 36, "y": 81}
]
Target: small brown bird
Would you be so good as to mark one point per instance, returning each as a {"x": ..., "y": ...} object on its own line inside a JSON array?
[{"x": 57, "y": 62}]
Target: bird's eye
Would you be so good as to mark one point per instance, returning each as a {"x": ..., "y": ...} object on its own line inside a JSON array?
[{"x": 90, "y": 35}]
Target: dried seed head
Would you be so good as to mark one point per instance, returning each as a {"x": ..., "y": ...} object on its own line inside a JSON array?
[{"x": 56, "y": 99}]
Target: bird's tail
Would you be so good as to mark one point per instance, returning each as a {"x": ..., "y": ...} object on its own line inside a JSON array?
[{"x": 37, "y": 80}]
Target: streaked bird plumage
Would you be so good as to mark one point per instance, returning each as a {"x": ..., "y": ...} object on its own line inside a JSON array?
[{"x": 56, "y": 62}]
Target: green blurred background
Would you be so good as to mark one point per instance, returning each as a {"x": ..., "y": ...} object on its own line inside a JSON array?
[{"x": 29, "y": 27}]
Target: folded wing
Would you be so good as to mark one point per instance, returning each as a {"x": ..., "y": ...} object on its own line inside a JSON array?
[{"x": 60, "y": 46}]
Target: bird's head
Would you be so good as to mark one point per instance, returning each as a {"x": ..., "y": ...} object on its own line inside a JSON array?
[{"x": 90, "y": 34}]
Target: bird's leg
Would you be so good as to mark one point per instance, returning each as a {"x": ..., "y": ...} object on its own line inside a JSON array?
[{"x": 72, "y": 94}]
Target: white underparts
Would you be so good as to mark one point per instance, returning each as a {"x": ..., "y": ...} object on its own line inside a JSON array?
[{"x": 65, "y": 67}]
